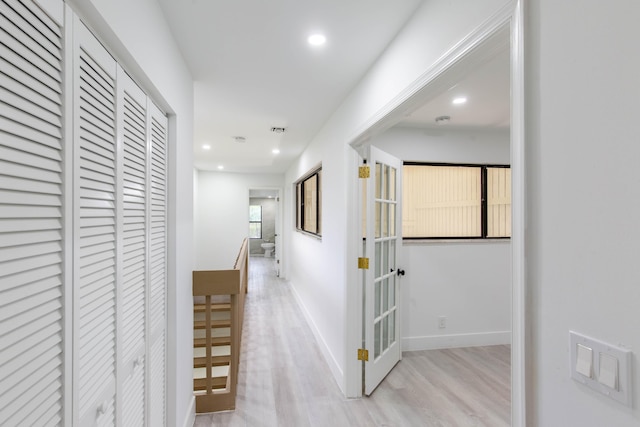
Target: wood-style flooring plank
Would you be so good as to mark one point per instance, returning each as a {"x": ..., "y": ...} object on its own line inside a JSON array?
[{"x": 284, "y": 380}]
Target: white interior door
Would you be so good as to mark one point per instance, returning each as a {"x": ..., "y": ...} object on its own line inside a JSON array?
[{"x": 382, "y": 245}]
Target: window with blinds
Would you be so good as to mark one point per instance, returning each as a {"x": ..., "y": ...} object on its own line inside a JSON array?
[
  {"x": 449, "y": 201},
  {"x": 31, "y": 216},
  {"x": 308, "y": 203}
]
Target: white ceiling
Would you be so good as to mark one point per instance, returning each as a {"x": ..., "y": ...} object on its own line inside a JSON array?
[
  {"x": 254, "y": 70},
  {"x": 487, "y": 89}
]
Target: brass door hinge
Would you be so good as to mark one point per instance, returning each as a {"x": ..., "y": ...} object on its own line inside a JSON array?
[
  {"x": 364, "y": 172},
  {"x": 363, "y": 354},
  {"x": 363, "y": 263}
]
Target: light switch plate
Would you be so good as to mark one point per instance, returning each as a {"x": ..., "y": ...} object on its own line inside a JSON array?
[
  {"x": 584, "y": 360},
  {"x": 610, "y": 368},
  {"x": 608, "y": 373}
]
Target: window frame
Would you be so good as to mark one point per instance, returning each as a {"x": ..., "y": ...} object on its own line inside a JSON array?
[
  {"x": 255, "y": 222},
  {"x": 299, "y": 189},
  {"x": 483, "y": 200}
]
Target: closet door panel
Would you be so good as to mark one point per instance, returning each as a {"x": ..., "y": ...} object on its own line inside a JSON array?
[
  {"x": 95, "y": 230},
  {"x": 157, "y": 265},
  {"x": 31, "y": 224},
  {"x": 132, "y": 132}
]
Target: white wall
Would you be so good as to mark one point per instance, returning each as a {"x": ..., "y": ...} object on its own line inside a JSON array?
[
  {"x": 583, "y": 199},
  {"x": 468, "y": 282},
  {"x": 321, "y": 270},
  {"x": 223, "y": 215},
  {"x": 137, "y": 34}
]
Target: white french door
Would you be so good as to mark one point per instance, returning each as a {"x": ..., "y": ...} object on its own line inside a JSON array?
[{"x": 382, "y": 246}]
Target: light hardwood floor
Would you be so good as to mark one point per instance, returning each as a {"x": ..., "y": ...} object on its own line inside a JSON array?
[{"x": 284, "y": 380}]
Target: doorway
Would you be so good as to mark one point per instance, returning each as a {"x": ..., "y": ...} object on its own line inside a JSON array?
[
  {"x": 265, "y": 216},
  {"x": 505, "y": 34}
]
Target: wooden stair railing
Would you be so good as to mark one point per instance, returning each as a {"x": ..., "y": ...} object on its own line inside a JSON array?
[{"x": 218, "y": 312}]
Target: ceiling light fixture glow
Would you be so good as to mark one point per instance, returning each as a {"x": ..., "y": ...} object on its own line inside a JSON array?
[
  {"x": 275, "y": 151},
  {"x": 206, "y": 147},
  {"x": 220, "y": 167},
  {"x": 460, "y": 100},
  {"x": 317, "y": 39}
]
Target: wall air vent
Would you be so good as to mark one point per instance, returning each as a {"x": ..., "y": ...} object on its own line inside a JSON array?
[{"x": 278, "y": 130}]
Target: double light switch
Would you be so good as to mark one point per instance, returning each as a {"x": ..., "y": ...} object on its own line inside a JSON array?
[{"x": 601, "y": 366}]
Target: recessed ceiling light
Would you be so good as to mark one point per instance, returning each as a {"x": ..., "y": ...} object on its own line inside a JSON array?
[
  {"x": 460, "y": 100},
  {"x": 220, "y": 167},
  {"x": 317, "y": 39},
  {"x": 206, "y": 147},
  {"x": 275, "y": 151}
]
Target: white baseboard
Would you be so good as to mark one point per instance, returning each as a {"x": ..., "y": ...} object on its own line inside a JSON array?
[
  {"x": 190, "y": 420},
  {"x": 338, "y": 375},
  {"x": 434, "y": 342}
]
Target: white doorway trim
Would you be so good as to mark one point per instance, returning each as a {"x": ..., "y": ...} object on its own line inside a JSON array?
[
  {"x": 261, "y": 192},
  {"x": 509, "y": 18}
]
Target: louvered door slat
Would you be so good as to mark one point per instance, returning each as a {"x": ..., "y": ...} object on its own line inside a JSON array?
[
  {"x": 27, "y": 146},
  {"x": 30, "y": 94},
  {"x": 51, "y": 114},
  {"x": 134, "y": 199},
  {"x": 94, "y": 228},
  {"x": 11, "y": 169},
  {"x": 40, "y": 333},
  {"x": 42, "y": 292},
  {"x": 157, "y": 272},
  {"x": 30, "y": 134},
  {"x": 133, "y": 396},
  {"x": 14, "y": 67},
  {"x": 30, "y": 159},
  {"x": 31, "y": 249},
  {"x": 30, "y": 44},
  {"x": 46, "y": 36},
  {"x": 42, "y": 22},
  {"x": 24, "y": 57},
  {"x": 46, "y": 299},
  {"x": 133, "y": 247},
  {"x": 20, "y": 414},
  {"x": 156, "y": 388}
]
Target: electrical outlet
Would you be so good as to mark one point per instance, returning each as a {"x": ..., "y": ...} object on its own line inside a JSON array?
[{"x": 442, "y": 322}]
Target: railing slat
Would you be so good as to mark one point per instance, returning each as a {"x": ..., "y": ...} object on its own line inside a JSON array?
[{"x": 214, "y": 285}]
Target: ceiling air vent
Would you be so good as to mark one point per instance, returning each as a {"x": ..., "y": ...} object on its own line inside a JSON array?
[{"x": 278, "y": 130}]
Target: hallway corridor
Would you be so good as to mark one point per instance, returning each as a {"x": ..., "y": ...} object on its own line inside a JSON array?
[{"x": 284, "y": 380}]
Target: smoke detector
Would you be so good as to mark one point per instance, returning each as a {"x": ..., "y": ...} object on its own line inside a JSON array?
[{"x": 278, "y": 130}]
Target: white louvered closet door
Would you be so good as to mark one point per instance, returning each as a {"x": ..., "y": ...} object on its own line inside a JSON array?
[
  {"x": 156, "y": 394},
  {"x": 95, "y": 230},
  {"x": 132, "y": 186},
  {"x": 31, "y": 223}
]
